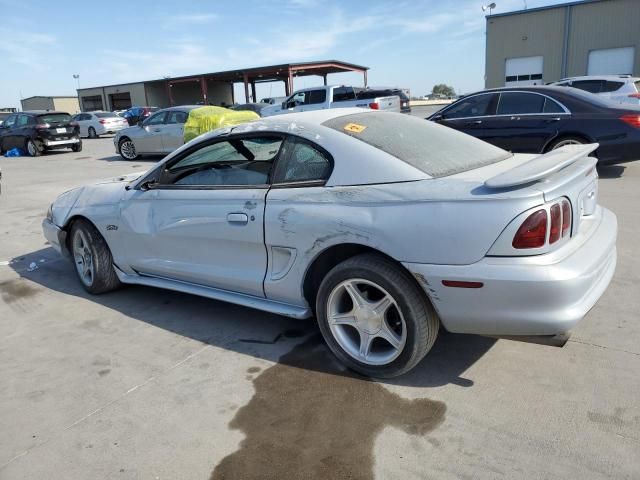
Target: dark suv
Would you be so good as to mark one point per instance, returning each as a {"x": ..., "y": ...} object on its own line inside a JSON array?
[{"x": 37, "y": 131}]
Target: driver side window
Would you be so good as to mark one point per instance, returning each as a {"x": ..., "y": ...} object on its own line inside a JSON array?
[
  {"x": 233, "y": 162},
  {"x": 157, "y": 119},
  {"x": 10, "y": 121}
]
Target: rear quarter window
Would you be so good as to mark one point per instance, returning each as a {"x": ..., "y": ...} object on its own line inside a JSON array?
[{"x": 436, "y": 150}]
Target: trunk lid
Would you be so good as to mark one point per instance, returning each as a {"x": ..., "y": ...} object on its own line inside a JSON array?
[
  {"x": 566, "y": 172},
  {"x": 56, "y": 126}
]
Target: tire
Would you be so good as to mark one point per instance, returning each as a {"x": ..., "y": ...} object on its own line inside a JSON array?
[
  {"x": 32, "y": 149},
  {"x": 92, "y": 258},
  {"x": 562, "y": 141},
  {"x": 408, "y": 320},
  {"x": 92, "y": 133},
  {"x": 127, "y": 149},
  {"x": 77, "y": 147}
]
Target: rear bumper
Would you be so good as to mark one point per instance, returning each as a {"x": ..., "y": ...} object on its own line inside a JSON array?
[
  {"x": 57, "y": 143},
  {"x": 540, "y": 295},
  {"x": 55, "y": 236}
]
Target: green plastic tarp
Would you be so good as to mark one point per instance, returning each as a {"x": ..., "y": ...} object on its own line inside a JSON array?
[{"x": 204, "y": 119}]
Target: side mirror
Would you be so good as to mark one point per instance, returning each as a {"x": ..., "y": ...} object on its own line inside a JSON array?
[
  {"x": 437, "y": 118},
  {"x": 284, "y": 105},
  {"x": 140, "y": 123}
]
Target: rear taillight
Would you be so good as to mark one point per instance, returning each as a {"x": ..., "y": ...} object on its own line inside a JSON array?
[
  {"x": 533, "y": 232},
  {"x": 73, "y": 124},
  {"x": 633, "y": 120},
  {"x": 566, "y": 218},
  {"x": 374, "y": 106},
  {"x": 42, "y": 126},
  {"x": 556, "y": 223},
  {"x": 634, "y": 95},
  {"x": 102, "y": 121}
]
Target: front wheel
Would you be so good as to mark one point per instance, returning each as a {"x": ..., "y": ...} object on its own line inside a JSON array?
[
  {"x": 374, "y": 317},
  {"x": 92, "y": 258},
  {"x": 127, "y": 149}
]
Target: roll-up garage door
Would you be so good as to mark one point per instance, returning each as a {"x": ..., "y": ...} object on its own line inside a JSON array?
[
  {"x": 611, "y": 61},
  {"x": 523, "y": 71}
]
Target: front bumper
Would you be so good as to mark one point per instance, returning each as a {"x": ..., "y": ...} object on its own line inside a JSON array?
[
  {"x": 538, "y": 295},
  {"x": 56, "y": 237}
]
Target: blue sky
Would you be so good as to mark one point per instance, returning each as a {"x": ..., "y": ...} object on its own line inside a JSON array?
[{"x": 411, "y": 44}]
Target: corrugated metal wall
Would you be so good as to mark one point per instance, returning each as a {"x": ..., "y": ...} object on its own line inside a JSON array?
[{"x": 592, "y": 25}]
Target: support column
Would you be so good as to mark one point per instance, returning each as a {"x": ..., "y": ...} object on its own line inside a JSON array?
[
  {"x": 324, "y": 77},
  {"x": 287, "y": 92},
  {"x": 203, "y": 88},
  {"x": 290, "y": 79},
  {"x": 246, "y": 87},
  {"x": 365, "y": 78},
  {"x": 169, "y": 94},
  {"x": 253, "y": 91}
]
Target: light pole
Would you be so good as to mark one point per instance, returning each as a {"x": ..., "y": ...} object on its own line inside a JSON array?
[
  {"x": 77, "y": 77},
  {"x": 489, "y": 7}
]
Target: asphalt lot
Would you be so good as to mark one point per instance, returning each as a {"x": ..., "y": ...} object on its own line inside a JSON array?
[{"x": 145, "y": 383}]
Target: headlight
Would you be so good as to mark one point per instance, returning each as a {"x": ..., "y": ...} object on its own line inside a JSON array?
[{"x": 50, "y": 213}]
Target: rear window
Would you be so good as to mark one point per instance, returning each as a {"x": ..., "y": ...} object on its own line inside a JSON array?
[
  {"x": 106, "y": 115},
  {"x": 434, "y": 149},
  {"x": 54, "y": 118}
]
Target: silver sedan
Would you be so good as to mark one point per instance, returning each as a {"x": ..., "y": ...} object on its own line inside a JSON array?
[
  {"x": 383, "y": 226},
  {"x": 160, "y": 133},
  {"x": 94, "y": 124}
]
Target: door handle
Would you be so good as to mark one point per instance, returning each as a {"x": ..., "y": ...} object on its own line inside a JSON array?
[
  {"x": 554, "y": 119},
  {"x": 156, "y": 129},
  {"x": 475, "y": 122},
  {"x": 239, "y": 218}
]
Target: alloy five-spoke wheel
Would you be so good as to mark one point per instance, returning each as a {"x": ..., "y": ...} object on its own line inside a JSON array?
[
  {"x": 374, "y": 316},
  {"x": 83, "y": 258},
  {"x": 366, "y": 322}
]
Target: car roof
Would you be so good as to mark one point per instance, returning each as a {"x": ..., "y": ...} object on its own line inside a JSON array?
[
  {"x": 43, "y": 112},
  {"x": 181, "y": 108},
  {"x": 602, "y": 77}
]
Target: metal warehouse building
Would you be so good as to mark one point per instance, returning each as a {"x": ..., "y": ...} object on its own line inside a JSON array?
[
  {"x": 207, "y": 88},
  {"x": 62, "y": 103},
  {"x": 541, "y": 45}
]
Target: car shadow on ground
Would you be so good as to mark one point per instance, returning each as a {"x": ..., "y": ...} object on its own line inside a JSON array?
[
  {"x": 611, "y": 171},
  {"x": 142, "y": 158},
  {"x": 240, "y": 329}
]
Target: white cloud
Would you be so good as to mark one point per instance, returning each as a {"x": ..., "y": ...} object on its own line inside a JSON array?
[
  {"x": 26, "y": 48},
  {"x": 198, "y": 18}
]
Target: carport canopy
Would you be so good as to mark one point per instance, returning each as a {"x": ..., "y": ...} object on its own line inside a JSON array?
[{"x": 273, "y": 73}]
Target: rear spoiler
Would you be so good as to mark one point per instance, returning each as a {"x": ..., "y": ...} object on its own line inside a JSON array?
[{"x": 541, "y": 166}]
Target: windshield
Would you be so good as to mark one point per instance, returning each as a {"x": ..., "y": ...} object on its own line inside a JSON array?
[
  {"x": 436, "y": 150},
  {"x": 106, "y": 115},
  {"x": 54, "y": 118}
]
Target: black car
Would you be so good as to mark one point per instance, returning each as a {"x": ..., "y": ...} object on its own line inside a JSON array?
[
  {"x": 374, "y": 92},
  {"x": 37, "y": 131},
  {"x": 539, "y": 119},
  {"x": 252, "y": 107}
]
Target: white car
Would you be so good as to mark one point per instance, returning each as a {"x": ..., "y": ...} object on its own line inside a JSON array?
[
  {"x": 382, "y": 226},
  {"x": 618, "y": 88},
  {"x": 94, "y": 124}
]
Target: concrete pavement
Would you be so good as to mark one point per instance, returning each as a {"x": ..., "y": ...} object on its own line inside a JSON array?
[{"x": 143, "y": 383}]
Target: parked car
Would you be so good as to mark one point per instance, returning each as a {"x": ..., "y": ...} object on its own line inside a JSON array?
[
  {"x": 318, "y": 98},
  {"x": 161, "y": 133},
  {"x": 137, "y": 114},
  {"x": 619, "y": 88},
  {"x": 37, "y": 131},
  {"x": 273, "y": 100},
  {"x": 251, "y": 107},
  {"x": 4, "y": 116},
  {"x": 333, "y": 213},
  {"x": 374, "y": 92},
  {"x": 94, "y": 124},
  {"x": 542, "y": 118}
]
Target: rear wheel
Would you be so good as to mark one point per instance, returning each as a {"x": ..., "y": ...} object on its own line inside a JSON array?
[
  {"x": 92, "y": 258},
  {"x": 374, "y": 317},
  {"x": 32, "y": 148},
  {"x": 564, "y": 141},
  {"x": 77, "y": 147},
  {"x": 92, "y": 133},
  {"x": 127, "y": 149}
]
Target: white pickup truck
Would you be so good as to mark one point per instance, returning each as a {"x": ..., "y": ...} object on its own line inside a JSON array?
[{"x": 334, "y": 96}]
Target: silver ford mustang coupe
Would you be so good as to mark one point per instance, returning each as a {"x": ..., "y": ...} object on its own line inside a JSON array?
[{"x": 381, "y": 225}]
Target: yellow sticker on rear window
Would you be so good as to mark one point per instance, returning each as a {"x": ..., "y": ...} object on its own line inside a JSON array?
[{"x": 354, "y": 128}]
